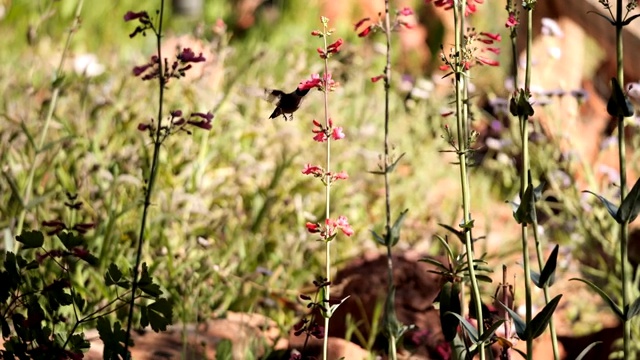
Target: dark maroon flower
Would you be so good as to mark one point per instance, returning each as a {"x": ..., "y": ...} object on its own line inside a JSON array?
[
  {"x": 130, "y": 15},
  {"x": 359, "y": 23},
  {"x": 188, "y": 56},
  {"x": 366, "y": 31}
]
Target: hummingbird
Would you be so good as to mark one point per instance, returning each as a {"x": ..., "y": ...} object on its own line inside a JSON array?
[{"x": 286, "y": 103}]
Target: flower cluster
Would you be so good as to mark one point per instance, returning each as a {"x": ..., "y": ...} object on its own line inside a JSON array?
[
  {"x": 323, "y": 133},
  {"x": 331, "y": 49},
  {"x": 179, "y": 123},
  {"x": 398, "y": 23},
  {"x": 178, "y": 69},
  {"x": 319, "y": 172},
  {"x": 330, "y": 228},
  {"x": 470, "y": 7},
  {"x": 471, "y": 54}
]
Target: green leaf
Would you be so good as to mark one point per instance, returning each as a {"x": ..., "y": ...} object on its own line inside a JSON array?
[
  {"x": 31, "y": 239},
  {"x": 526, "y": 213},
  {"x": 395, "y": 229},
  {"x": 449, "y": 303},
  {"x": 630, "y": 206},
  {"x": 378, "y": 238},
  {"x": 539, "y": 323},
  {"x": 618, "y": 104},
  {"x": 470, "y": 329},
  {"x": 69, "y": 240},
  {"x": 113, "y": 339},
  {"x": 113, "y": 276},
  {"x": 521, "y": 326},
  {"x": 604, "y": 297},
  {"x": 584, "y": 352},
  {"x": 446, "y": 246},
  {"x": 159, "y": 314},
  {"x": 488, "y": 333},
  {"x": 611, "y": 208},
  {"x": 547, "y": 277},
  {"x": 435, "y": 263},
  {"x": 145, "y": 283},
  {"x": 392, "y": 167},
  {"x": 457, "y": 233},
  {"x": 224, "y": 350},
  {"x": 632, "y": 310}
]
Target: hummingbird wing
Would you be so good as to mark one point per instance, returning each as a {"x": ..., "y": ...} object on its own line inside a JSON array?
[{"x": 273, "y": 96}]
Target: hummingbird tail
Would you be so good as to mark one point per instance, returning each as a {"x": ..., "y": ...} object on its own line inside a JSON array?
[{"x": 276, "y": 112}]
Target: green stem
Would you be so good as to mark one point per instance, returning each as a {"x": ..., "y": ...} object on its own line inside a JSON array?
[
  {"x": 57, "y": 83},
  {"x": 623, "y": 186},
  {"x": 327, "y": 292},
  {"x": 462, "y": 159},
  {"x": 387, "y": 189},
  {"x": 524, "y": 182},
  {"x": 153, "y": 171}
]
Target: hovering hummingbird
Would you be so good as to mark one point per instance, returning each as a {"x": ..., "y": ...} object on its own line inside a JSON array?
[{"x": 286, "y": 103}]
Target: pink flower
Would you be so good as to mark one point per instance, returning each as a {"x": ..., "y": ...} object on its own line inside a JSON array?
[
  {"x": 342, "y": 175},
  {"x": 406, "y": 11},
  {"x": 343, "y": 224},
  {"x": 316, "y": 33},
  {"x": 487, "y": 61},
  {"x": 448, "y": 4},
  {"x": 311, "y": 83},
  {"x": 511, "y": 21},
  {"x": 337, "y": 133}
]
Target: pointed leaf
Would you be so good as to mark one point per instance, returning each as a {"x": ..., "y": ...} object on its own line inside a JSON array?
[
  {"x": 539, "y": 323},
  {"x": 535, "y": 277},
  {"x": 630, "y": 206},
  {"x": 449, "y": 302},
  {"x": 633, "y": 310},
  {"x": 584, "y": 352},
  {"x": 395, "y": 230},
  {"x": 335, "y": 306},
  {"x": 604, "y": 297},
  {"x": 521, "y": 326},
  {"x": 457, "y": 233},
  {"x": 377, "y": 238},
  {"x": 526, "y": 213},
  {"x": 488, "y": 333},
  {"x": 470, "y": 329},
  {"x": 435, "y": 263},
  {"x": 446, "y": 246},
  {"x": 392, "y": 167},
  {"x": 31, "y": 239},
  {"x": 618, "y": 104},
  {"x": 630, "y": 19},
  {"x": 611, "y": 208},
  {"x": 548, "y": 272},
  {"x": 522, "y": 353}
]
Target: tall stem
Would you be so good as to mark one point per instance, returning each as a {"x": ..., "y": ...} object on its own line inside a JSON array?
[
  {"x": 624, "y": 228},
  {"x": 327, "y": 292},
  {"x": 387, "y": 191},
  {"x": 462, "y": 159},
  {"x": 152, "y": 177},
  {"x": 524, "y": 181}
]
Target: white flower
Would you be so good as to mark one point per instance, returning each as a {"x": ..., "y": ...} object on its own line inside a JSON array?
[{"x": 87, "y": 65}]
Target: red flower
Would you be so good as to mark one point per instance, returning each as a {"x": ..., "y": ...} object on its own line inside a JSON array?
[
  {"x": 366, "y": 31},
  {"x": 312, "y": 170},
  {"x": 359, "y": 23},
  {"x": 335, "y": 47},
  {"x": 491, "y": 37},
  {"x": 448, "y": 4},
  {"x": 377, "y": 78},
  {"x": 313, "y": 227}
]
